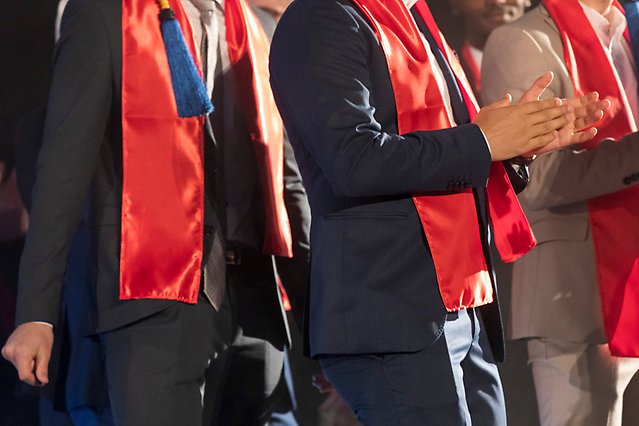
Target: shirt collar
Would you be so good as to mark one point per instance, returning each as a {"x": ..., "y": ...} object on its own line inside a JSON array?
[
  {"x": 609, "y": 29},
  {"x": 476, "y": 54},
  {"x": 206, "y": 5},
  {"x": 410, "y": 3}
]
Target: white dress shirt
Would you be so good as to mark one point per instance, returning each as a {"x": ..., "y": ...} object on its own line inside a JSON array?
[
  {"x": 207, "y": 17},
  {"x": 58, "y": 18},
  {"x": 476, "y": 54},
  {"x": 610, "y": 31},
  {"x": 437, "y": 71},
  {"x": 439, "y": 77}
]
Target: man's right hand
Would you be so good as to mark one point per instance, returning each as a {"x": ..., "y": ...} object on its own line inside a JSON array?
[
  {"x": 513, "y": 130},
  {"x": 29, "y": 350}
]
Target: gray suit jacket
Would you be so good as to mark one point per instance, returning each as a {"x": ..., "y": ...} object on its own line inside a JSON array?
[{"x": 555, "y": 292}]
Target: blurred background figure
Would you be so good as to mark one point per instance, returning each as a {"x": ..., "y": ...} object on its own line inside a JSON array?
[
  {"x": 26, "y": 41},
  {"x": 479, "y": 19},
  {"x": 13, "y": 226},
  {"x": 273, "y": 8}
]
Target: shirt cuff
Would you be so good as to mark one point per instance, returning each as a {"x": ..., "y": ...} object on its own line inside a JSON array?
[
  {"x": 486, "y": 140},
  {"x": 40, "y": 322}
]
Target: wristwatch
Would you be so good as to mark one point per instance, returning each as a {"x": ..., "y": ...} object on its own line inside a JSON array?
[{"x": 521, "y": 160}]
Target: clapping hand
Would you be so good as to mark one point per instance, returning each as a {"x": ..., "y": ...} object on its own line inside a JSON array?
[
  {"x": 536, "y": 126},
  {"x": 587, "y": 110}
]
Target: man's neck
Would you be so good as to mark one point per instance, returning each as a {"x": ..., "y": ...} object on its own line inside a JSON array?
[
  {"x": 601, "y": 6},
  {"x": 478, "y": 41}
]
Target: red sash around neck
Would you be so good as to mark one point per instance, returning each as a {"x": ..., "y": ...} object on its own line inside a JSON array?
[
  {"x": 248, "y": 49},
  {"x": 614, "y": 217},
  {"x": 449, "y": 219},
  {"x": 162, "y": 154}
]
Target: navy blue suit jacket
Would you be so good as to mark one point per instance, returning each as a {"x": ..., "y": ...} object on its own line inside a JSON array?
[{"x": 373, "y": 286}]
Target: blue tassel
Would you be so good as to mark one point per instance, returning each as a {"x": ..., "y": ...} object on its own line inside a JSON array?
[{"x": 190, "y": 91}]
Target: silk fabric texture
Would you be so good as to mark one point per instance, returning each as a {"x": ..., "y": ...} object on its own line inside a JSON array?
[
  {"x": 449, "y": 219},
  {"x": 163, "y": 167},
  {"x": 614, "y": 217}
]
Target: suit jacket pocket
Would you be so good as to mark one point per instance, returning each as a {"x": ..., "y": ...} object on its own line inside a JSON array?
[
  {"x": 561, "y": 229},
  {"x": 392, "y": 209},
  {"x": 372, "y": 284},
  {"x": 358, "y": 215},
  {"x": 366, "y": 248}
]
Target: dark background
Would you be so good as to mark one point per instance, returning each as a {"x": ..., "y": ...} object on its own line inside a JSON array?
[{"x": 26, "y": 44}]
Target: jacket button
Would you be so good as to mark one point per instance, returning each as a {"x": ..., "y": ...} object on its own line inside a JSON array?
[{"x": 627, "y": 180}]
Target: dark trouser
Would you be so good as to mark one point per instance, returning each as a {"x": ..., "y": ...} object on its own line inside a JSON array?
[
  {"x": 159, "y": 367},
  {"x": 452, "y": 382}
]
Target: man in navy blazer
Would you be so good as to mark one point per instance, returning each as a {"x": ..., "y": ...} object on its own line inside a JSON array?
[{"x": 376, "y": 320}]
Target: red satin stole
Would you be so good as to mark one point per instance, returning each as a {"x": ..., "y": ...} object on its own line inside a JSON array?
[
  {"x": 614, "y": 217},
  {"x": 163, "y": 181},
  {"x": 248, "y": 49},
  {"x": 449, "y": 219}
]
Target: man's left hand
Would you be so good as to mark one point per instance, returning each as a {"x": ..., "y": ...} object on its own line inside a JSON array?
[{"x": 588, "y": 110}]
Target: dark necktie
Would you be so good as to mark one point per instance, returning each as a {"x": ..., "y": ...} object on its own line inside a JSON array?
[
  {"x": 460, "y": 111},
  {"x": 214, "y": 271},
  {"x": 214, "y": 265}
]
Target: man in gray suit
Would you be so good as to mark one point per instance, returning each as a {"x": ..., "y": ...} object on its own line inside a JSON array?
[{"x": 556, "y": 302}]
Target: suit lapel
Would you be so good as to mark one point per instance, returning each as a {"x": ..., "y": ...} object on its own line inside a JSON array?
[{"x": 548, "y": 20}]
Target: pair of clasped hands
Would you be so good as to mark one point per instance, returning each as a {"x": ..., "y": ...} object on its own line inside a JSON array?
[{"x": 534, "y": 126}]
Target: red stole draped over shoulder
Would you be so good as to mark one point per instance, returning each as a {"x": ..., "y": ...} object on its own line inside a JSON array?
[
  {"x": 449, "y": 219},
  {"x": 162, "y": 154},
  {"x": 248, "y": 49},
  {"x": 614, "y": 217}
]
